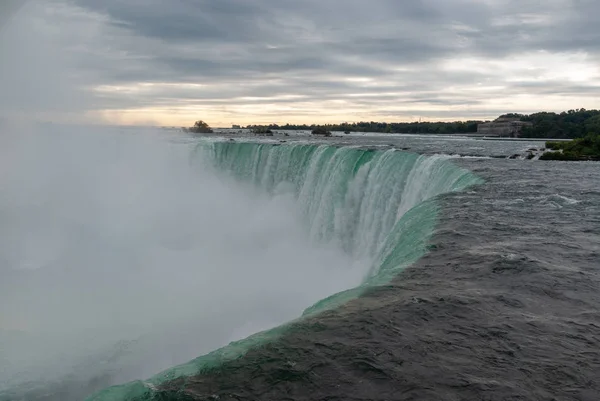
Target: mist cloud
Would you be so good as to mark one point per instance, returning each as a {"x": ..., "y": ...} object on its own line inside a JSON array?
[{"x": 118, "y": 242}]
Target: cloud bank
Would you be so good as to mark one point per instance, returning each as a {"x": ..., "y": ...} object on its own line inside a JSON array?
[{"x": 233, "y": 61}]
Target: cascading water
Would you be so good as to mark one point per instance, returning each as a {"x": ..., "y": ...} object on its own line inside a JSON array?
[
  {"x": 353, "y": 197},
  {"x": 378, "y": 206}
]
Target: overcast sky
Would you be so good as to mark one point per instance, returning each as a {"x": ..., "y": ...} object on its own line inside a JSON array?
[{"x": 170, "y": 62}]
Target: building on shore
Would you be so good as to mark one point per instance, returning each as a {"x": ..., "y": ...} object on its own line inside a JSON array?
[
  {"x": 235, "y": 126},
  {"x": 503, "y": 126}
]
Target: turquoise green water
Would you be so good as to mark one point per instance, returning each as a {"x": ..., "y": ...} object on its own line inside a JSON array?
[{"x": 378, "y": 206}]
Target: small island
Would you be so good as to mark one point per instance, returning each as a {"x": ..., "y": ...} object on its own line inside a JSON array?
[
  {"x": 586, "y": 148},
  {"x": 261, "y": 130},
  {"x": 320, "y": 131}
]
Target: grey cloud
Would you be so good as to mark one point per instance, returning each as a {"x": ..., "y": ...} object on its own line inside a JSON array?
[
  {"x": 33, "y": 74},
  {"x": 559, "y": 88},
  {"x": 313, "y": 49},
  {"x": 385, "y": 31},
  {"x": 557, "y": 26},
  {"x": 183, "y": 20},
  {"x": 7, "y": 9}
]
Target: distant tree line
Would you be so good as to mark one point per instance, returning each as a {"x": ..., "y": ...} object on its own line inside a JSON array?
[
  {"x": 568, "y": 124},
  {"x": 457, "y": 127}
]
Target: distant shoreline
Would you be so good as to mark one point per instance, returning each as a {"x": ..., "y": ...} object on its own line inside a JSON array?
[{"x": 473, "y": 135}]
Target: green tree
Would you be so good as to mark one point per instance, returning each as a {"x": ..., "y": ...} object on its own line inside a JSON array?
[
  {"x": 200, "y": 127},
  {"x": 592, "y": 125}
]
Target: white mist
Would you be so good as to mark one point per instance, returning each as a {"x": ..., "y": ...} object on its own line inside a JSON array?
[{"x": 120, "y": 255}]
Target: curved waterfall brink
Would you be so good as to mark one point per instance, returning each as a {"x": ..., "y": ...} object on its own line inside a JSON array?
[{"x": 378, "y": 206}]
